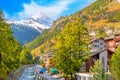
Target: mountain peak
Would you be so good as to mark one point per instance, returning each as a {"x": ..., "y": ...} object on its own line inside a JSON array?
[
  {"x": 42, "y": 20},
  {"x": 27, "y": 30}
]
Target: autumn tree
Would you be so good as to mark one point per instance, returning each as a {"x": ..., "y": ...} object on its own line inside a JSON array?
[{"x": 72, "y": 47}]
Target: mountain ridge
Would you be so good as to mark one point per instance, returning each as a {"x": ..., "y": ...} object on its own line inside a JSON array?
[{"x": 27, "y": 30}]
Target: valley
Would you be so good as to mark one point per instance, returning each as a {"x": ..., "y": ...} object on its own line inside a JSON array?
[{"x": 61, "y": 44}]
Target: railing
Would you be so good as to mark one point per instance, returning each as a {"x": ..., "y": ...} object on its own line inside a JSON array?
[
  {"x": 39, "y": 77},
  {"x": 89, "y": 76},
  {"x": 45, "y": 76}
]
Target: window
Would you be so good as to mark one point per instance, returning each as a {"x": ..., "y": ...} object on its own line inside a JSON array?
[
  {"x": 101, "y": 43},
  {"x": 98, "y": 46},
  {"x": 105, "y": 46},
  {"x": 95, "y": 45}
]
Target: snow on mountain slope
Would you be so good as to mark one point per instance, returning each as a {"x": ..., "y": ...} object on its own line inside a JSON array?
[
  {"x": 30, "y": 23},
  {"x": 27, "y": 30}
]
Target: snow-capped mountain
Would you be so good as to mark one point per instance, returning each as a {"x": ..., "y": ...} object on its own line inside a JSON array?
[{"x": 27, "y": 30}]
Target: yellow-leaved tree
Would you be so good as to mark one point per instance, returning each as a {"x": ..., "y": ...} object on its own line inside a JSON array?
[{"x": 72, "y": 47}]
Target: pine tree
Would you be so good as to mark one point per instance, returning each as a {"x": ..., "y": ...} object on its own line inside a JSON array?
[
  {"x": 98, "y": 71},
  {"x": 25, "y": 56},
  {"x": 115, "y": 64}
]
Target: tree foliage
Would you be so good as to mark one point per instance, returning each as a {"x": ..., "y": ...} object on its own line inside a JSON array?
[
  {"x": 25, "y": 56},
  {"x": 9, "y": 48},
  {"x": 115, "y": 64},
  {"x": 117, "y": 16},
  {"x": 114, "y": 17},
  {"x": 72, "y": 47},
  {"x": 98, "y": 71},
  {"x": 101, "y": 33}
]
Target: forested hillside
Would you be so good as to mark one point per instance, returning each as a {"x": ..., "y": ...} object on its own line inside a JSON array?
[
  {"x": 12, "y": 54},
  {"x": 102, "y": 19}
]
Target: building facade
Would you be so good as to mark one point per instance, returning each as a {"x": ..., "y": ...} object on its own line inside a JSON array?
[
  {"x": 101, "y": 49},
  {"x": 98, "y": 52}
]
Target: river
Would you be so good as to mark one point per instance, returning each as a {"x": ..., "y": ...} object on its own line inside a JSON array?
[{"x": 28, "y": 74}]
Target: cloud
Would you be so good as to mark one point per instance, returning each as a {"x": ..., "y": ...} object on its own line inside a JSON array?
[
  {"x": 5, "y": 15},
  {"x": 51, "y": 11},
  {"x": 118, "y": 0}
]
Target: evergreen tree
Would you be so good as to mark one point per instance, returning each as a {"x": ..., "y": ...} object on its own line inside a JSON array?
[
  {"x": 25, "y": 56},
  {"x": 115, "y": 64},
  {"x": 9, "y": 49},
  {"x": 98, "y": 71},
  {"x": 72, "y": 47}
]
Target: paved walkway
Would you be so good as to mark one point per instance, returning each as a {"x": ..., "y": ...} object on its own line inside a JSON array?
[{"x": 45, "y": 75}]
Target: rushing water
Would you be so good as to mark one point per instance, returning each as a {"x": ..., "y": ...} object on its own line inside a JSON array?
[{"x": 28, "y": 74}]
